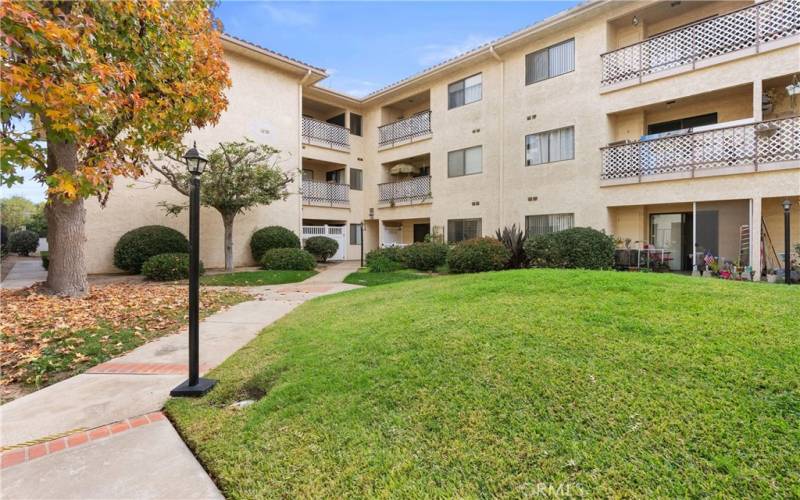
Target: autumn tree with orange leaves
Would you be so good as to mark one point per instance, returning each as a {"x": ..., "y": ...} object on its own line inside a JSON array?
[{"x": 89, "y": 89}]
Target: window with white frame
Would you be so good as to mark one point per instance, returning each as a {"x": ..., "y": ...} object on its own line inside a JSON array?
[
  {"x": 550, "y": 223},
  {"x": 550, "y": 146},
  {"x": 464, "y": 91},
  {"x": 355, "y": 234},
  {"x": 463, "y": 229},
  {"x": 552, "y": 61},
  {"x": 465, "y": 161},
  {"x": 356, "y": 179}
]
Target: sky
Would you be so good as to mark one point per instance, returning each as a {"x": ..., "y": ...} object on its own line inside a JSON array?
[{"x": 365, "y": 45}]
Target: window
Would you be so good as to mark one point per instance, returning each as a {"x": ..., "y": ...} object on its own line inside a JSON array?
[
  {"x": 355, "y": 234},
  {"x": 465, "y": 162},
  {"x": 683, "y": 123},
  {"x": 335, "y": 176},
  {"x": 550, "y": 146},
  {"x": 551, "y": 223},
  {"x": 308, "y": 175},
  {"x": 464, "y": 91},
  {"x": 463, "y": 229},
  {"x": 356, "y": 179},
  {"x": 355, "y": 124},
  {"x": 550, "y": 62}
]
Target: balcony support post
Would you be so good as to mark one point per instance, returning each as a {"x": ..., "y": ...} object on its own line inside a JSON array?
[
  {"x": 695, "y": 271},
  {"x": 755, "y": 238}
]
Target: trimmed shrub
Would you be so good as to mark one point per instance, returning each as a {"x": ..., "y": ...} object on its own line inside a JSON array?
[
  {"x": 544, "y": 250},
  {"x": 579, "y": 247},
  {"x": 138, "y": 245},
  {"x": 23, "y": 242},
  {"x": 382, "y": 264},
  {"x": 168, "y": 267},
  {"x": 478, "y": 255},
  {"x": 383, "y": 257},
  {"x": 424, "y": 256},
  {"x": 321, "y": 247},
  {"x": 288, "y": 259},
  {"x": 271, "y": 237},
  {"x": 45, "y": 259}
]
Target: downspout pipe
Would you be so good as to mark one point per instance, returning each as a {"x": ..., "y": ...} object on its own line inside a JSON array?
[{"x": 501, "y": 173}]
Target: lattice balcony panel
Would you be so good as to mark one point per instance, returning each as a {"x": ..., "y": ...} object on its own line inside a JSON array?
[
  {"x": 761, "y": 23},
  {"x": 746, "y": 145}
]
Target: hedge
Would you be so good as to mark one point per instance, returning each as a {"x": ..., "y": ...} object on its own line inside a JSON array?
[
  {"x": 478, "y": 255},
  {"x": 138, "y": 245},
  {"x": 321, "y": 247},
  {"x": 168, "y": 267},
  {"x": 288, "y": 259},
  {"x": 579, "y": 247},
  {"x": 271, "y": 237}
]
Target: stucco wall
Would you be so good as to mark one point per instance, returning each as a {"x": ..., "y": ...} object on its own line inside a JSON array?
[
  {"x": 506, "y": 191},
  {"x": 269, "y": 117}
]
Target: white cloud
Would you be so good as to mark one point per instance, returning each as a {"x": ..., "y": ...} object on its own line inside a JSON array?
[
  {"x": 288, "y": 16},
  {"x": 435, "y": 53}
]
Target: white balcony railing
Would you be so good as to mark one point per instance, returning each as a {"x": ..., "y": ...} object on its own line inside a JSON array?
[
  {"x": 752, "y": 145},
  {"x": 406, "y": 130},
  {"x": 325, "y": 134},
  {"x": 748, "y": 27},
  {"x": 416, "y": 189},
  {"x": 325, "y": 194}
]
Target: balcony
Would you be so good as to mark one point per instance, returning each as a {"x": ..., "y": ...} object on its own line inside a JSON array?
[
  {"x": 405, "y": 131},
  {"x": 416, "y": 189},
  {"x": 319, "y": 133},
  {"x": 325, "y": 194},
  {"x": 750, "y": 30},
  {"x": 767, "y": 145}
]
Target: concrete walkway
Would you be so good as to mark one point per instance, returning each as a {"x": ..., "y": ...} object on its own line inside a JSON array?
[
  {"x": 128, "y": 387},
  {"x": 26, "y": 272}
]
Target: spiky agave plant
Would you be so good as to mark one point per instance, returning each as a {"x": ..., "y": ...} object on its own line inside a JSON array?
[{"x": 514, "y": 240}]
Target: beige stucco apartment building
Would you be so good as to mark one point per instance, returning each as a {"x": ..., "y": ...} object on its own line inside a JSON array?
[{"x": 675, "y": 125}]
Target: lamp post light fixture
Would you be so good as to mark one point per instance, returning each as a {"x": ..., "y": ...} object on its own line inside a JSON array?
[
  {"x": 787, "y": 243},
  {"x": 194, "y": 386}
]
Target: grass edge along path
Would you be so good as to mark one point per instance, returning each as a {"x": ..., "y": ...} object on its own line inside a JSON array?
[{"x": 255, "y": 278}]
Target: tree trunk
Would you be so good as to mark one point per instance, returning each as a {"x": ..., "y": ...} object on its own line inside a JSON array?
[
  {"x": 66, "y": 236},
  {"x": 227, "y": 222}
]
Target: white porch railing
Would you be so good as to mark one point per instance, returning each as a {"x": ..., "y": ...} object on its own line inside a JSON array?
[
  {"x": 406, "y": 130},
  {"x": 748, "y": 145},
  {"x": 325, "y": 194},
  {"x": 325, "y": 134},
  {"x": 408, "y": 191},
  {"x": 748, "y": 27}
]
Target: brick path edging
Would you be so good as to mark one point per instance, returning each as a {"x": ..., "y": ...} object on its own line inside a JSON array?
[{"x": 24, "y": 454}]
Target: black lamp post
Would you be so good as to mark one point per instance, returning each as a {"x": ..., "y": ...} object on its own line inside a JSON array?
[
  {"x": 194, "y": 386},
  {"x": 787, "y": 244},
  {"x": 361, "y": 229}
]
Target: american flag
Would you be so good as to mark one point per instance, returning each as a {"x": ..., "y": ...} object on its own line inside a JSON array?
[{"x": 708, "y": 259}]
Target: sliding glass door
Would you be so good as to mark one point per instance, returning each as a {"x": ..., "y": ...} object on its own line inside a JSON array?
[{"x": 667, "y": 233}]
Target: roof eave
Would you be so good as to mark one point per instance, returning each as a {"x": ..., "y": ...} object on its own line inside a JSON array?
[
  {"x": 489, "y": 48},
  {"x": 273, "y": 58}
]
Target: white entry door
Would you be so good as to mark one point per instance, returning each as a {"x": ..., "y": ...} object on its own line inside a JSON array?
[{"x": 336, "y": 233}]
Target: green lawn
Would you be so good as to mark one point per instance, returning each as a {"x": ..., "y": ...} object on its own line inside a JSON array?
[
  {"x": 364, "y": 277},
  {"x": 505, "y": 384},
  {"x": 256, "y": 278}
]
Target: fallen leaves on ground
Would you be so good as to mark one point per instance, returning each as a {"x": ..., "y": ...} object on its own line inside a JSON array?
[{"x": 44, "y": 335}]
